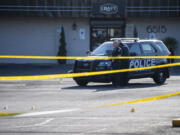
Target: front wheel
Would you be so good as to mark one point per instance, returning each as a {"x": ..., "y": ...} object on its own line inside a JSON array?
[
  {"x": 160, "y": 77},
  {"x": 81, "y": 82}
]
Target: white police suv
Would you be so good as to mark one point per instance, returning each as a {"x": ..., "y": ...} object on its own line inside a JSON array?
[{"x": 137, "y": 47}]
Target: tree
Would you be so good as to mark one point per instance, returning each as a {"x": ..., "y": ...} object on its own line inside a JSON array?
[
  {"x": 62, "y": 48},
  {"x": 135, "y": 32},
  {"x": 171, "y": 43}
]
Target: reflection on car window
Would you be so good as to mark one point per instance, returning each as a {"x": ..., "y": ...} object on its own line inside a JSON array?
[
  {"x": 162, "y": 47},
  {"x": 103, "y": 50},
  {"x": 147, "y": 48},
  {"x": 135, "y": 50}
]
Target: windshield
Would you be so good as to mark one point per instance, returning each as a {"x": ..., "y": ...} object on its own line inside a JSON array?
[{"x": 104, "y": 49}]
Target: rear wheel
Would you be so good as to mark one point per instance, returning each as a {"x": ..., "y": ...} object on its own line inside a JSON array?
[
  {"x": 81, "y": 82},
  {"x": 160, "y": 77}
]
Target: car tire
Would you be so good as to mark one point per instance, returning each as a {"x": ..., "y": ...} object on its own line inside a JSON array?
[
  {"x": 122, "y": 82},
  {"x": 160, "y": 77},
  {"x": 81, "y": 82}
]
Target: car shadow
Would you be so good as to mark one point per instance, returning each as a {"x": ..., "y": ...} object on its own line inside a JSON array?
[{"x": 110, "y": 87}]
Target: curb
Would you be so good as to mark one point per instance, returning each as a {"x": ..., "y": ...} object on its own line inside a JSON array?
[{"x": 3, "y": 114}]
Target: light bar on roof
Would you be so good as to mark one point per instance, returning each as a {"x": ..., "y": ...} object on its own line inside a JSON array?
[{"x": 125, "y": 39}]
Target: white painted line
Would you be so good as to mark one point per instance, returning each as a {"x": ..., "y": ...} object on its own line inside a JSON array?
[
  {"x": 46, "y": 112},
  {"x": 45, "y": 122},
  {"x": 94, "y": 131},
  {"x": 39, "y": 124},
  {"x": 12, "y": 85}
]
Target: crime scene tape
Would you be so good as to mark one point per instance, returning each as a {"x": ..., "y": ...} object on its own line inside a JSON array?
[
  {"x": 139, "y": 100},
  {"x": 86, "y": 57},
  {"x": 70, "y": 75}
]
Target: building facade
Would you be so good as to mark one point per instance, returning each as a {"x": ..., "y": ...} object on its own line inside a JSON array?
[{"x": 33, "y": 27}]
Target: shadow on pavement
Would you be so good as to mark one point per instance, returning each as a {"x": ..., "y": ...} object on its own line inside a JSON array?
[
  {"x": 33, "y": 69},
  {"x": 110, "y": 87}
]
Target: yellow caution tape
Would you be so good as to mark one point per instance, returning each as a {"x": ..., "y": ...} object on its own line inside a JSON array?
[
  {"x": 8, "y": 114},
  {"x": 5, "y": 78},
  {"x": 89, "y": 57},
  {"x": 140, "y": 100}
]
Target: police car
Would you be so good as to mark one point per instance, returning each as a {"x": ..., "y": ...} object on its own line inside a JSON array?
[{"x": 137, "y": 47}]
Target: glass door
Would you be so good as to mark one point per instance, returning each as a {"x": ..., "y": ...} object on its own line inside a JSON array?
[{"x": 102, "y": 34}]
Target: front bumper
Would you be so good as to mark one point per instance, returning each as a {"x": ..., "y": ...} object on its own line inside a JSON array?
[
  {"x": 98, "y": 78},
  {"x": 82, "y": 66}
]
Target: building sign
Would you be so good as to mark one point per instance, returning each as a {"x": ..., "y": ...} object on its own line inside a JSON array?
[
  {"x": 82, "y": 33},
  {"x": 109, "y": 8},
  {"x": 156, "y": 29}
]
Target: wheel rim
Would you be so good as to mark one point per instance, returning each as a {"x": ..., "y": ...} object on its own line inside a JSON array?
[{"x": 161, "y": 76}]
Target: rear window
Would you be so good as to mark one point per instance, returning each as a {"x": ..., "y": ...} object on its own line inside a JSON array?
[{"x": 162, "y": 48}]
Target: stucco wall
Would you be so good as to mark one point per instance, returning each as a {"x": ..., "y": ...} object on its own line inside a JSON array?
[
  {"x": 172, "y": 26},
  {"x": 39, "y": 37}
]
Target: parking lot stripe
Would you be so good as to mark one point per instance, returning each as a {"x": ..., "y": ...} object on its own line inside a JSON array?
[
  {"x": 38, "y": 124},
  {"x": 46, "y": 112},
  {"x": 139, "y": 100}
]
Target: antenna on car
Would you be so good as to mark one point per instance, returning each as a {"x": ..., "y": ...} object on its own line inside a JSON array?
[{"x": 125, "y": 39}]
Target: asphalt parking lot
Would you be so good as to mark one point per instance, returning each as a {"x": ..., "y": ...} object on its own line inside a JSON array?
[{"x": 59, "y": 106}]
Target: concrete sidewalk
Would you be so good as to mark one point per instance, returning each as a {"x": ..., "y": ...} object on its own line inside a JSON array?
[{"x": 45, "y": 69}]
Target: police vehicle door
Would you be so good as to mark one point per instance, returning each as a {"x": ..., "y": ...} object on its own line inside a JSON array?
[
  {"x": 148, "y": 50},
  {"x": 134, "y": 50}
]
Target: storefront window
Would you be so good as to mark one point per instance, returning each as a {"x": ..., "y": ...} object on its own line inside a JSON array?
[{"x": 100, "y": 35}]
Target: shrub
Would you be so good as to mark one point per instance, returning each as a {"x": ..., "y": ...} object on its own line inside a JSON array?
[
  {"x": 62, "y": 48},
  {"x": 171, "y": 43}
]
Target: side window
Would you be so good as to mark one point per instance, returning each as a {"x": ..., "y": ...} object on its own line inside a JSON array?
[
  {"x": 162, "y": 47},
  {"x": 135, "y": 50},
  {"x": 147, "y": 48}
]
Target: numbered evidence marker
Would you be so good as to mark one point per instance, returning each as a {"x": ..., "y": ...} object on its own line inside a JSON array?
[{"x": 138, "y": 63}]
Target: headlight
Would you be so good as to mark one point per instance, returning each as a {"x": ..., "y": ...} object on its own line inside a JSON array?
[{"x": 105, "y": 64}]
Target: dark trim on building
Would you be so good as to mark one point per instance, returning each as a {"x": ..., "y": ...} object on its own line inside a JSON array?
[{"x": 90, "y": 8}]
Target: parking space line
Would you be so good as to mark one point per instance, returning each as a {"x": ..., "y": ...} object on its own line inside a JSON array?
[
  {"x": 46, "y": 112},
  {"x": 39, "y": 124}
]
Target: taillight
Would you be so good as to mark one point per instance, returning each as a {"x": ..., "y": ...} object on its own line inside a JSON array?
[
  {"x": 170, "y": 60},
  {"x": 170, "y": 54}
]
